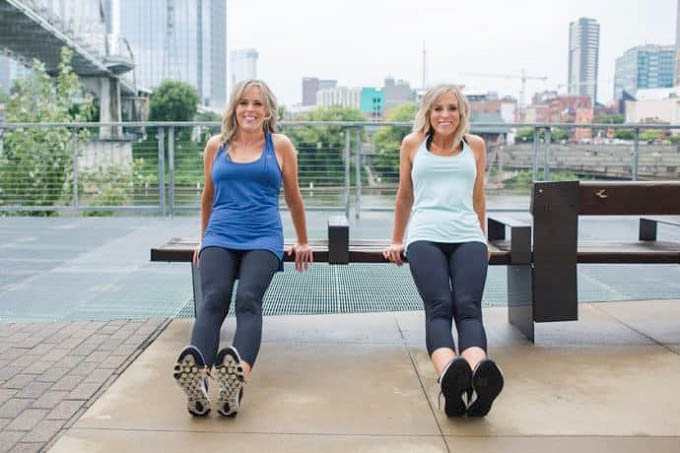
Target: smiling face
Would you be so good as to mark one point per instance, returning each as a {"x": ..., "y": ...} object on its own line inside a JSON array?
[
  {"x": 251, "y": 111},
  {"x": 445, "y": 114}
]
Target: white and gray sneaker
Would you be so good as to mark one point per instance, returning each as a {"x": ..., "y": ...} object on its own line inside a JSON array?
[
  {"x": 229, "y": 374},
  {"x": 190, "y": 375}
]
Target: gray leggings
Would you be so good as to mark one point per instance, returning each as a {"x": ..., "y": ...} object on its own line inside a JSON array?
[
  {"x": 450, "y": 278},
  {"x": 219, "y": 269}
]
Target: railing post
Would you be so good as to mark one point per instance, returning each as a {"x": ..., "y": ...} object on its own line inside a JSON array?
[
  {"x": 161, "y": 169},
  {"x": 534, "y": 164},
  {"x": 636, "y": 154},
  {"x": 347, "y": 171},
  {"x": 546, "y": 158},
  {"x": 357, "y": 183},
  {"x": 74, "y": 151},
  {"x": 171, "y": 168}
]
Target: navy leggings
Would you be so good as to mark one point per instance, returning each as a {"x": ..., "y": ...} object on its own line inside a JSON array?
[
  {"x": 450, "y": 278},
  {"x": 218, "y": 268}
]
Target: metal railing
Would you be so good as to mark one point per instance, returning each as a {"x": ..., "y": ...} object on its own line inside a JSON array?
[{"x": 157, "y": 167}]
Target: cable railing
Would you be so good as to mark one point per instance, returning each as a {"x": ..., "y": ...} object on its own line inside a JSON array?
[{"x": 352, "y": 167}]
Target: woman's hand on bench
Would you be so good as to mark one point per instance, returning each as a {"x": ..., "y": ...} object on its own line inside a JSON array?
[
  {"x": 394, "y": 253},
  {"x": 197, "y": 251},
  {"x": 303, "y": 256}
]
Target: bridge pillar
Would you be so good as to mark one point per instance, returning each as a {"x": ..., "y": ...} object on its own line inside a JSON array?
[{"x": 107, "y": 89}]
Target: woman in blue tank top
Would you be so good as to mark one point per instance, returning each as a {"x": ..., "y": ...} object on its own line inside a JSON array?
[
  {"x": 241, "y": 238},
  {"x": 441, "y": 198}
]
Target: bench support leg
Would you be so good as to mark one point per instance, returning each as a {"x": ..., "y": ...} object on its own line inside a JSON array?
[
  {"x": 198, "y": 293},
  {"x": 647, "y": 230},
  {"x": 520, "y": 309}
]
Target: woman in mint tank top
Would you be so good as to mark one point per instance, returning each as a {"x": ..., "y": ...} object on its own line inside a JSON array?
[
  {"x": 441, "y": 200},
  {"x": 241, "y": 238}
]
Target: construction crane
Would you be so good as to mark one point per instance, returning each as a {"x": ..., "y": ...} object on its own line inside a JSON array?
[{"x": 524, "y": 77}]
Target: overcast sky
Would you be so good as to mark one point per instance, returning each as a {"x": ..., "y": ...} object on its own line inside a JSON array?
[{"x": 359, "y": 42}]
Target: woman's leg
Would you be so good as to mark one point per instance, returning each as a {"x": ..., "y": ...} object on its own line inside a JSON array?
[
  {"x": 218, "y": 269},
  {"x": 256, "y": 272},
  {"x": 468, "y": 265},
  {"x": 429, "y": 268}
]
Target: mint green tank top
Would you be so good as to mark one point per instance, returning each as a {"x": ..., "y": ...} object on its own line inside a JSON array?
[{"x": 442, "y": 206}]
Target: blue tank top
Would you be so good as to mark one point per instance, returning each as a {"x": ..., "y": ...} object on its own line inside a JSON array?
[
  {"x": 442, "y": 198},
  {"x": 245, "y": 213}
]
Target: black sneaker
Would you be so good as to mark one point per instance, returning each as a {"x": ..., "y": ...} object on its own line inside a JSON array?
[
  {"x": 487, "y": 383},
  {"x": 190, "y": 375},
  {"x": 229, "y": 374},
  {"x": 455, "y": 381}
]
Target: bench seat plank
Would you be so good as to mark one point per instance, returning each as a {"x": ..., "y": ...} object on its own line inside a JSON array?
[{"x": 360, "y": 251}]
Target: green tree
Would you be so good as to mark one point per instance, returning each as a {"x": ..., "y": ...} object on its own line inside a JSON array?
[
  {"x": 36, "y": 167},
  {"x": 320, "y": 149},
  {"x": 609, "y": 119},
  {"x": 624, "y": 134},
  {"x": 526, "y": 135},
  {"x": 173, "y": 101},
  {"x": 387, "y": 141}
]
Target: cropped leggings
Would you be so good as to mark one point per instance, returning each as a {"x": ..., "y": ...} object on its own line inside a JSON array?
[
  {"x": 450, "y": 278},
  {"x": 219, "y": 268}
]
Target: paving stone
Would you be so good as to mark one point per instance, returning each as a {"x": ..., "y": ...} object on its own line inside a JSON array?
[
  {"x": 34, "y": 390},
  {"x": 71, "y": 343},
  {"x": 9, "y": 438},
  {"x": 100, "y": 375},
  {"x": 12, "y": 353},
  {"x": 97, "y": 356},
  {"x": 4, "y": 422},
  {"x": 109, "y": 345},
  {"x": 18, "y": 338},
  {"x": 44, "y": 431},
  {"x": 40, "y": 366},
  {"x": 53, "y": 374},
  {"x": 13, "y": 407},
  {"x": 56, "y": 354},
  {"x": 19, "y": 381},
  {"x": 113, "y": 362},
  {"x": 84, "y": 391},
  {"x": 6, "y": 394},
  {"x": 68, "y": 382},
  {"x": 84, "y": 368},
  {"x": 27, "y": 447},
  {"x": 50, "y": 399},
  {"x": 25, "y": 360},
  {"x": 65, "y": 410},
  {"x": 27, "y": 420},
  {"x": 125, "y": 349}
]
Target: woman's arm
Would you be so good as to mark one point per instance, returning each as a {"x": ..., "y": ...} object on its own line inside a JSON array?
[
  {"x": 404, "y": 201},
  {"x": 291, "y": 191},
  {"x": 478, "y": 198},
  {"x": 208, "y": 194}
]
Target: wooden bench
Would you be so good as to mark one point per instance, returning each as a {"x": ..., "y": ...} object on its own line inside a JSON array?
[
  {"x": 545, "y": 251},
  {"x": 337, "y": 249}
]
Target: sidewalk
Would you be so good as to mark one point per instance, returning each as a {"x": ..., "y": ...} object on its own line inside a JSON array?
[{"x": 363, "y": 382}]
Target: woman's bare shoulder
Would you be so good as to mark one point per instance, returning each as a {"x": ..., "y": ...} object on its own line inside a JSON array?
[{"x": 413, "y": 139}]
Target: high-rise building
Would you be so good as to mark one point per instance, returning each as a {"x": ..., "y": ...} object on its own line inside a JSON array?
[
  {"x": 584, "y": 43},
  {"x": 396, "y": 93},
  {"x": 243, "y": 65},
  {"x": 648, "y": 66},
  {"x": 372, "y": 102},
  {"x": 311, "y": 85},
  {"x": 179, "y": 40},
  {"x": 343, "y": 96}
]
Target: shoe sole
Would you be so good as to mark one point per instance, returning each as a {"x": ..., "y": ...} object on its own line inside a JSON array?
[
  {"x": 189, "y": 373},
  {"x": 487, "y": 382},
  {"x": 231, "y": 379},
  {"x": 454, "y": 384}
]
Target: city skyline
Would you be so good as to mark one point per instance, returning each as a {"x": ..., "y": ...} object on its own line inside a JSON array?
[{"x": 331, "y": 43}]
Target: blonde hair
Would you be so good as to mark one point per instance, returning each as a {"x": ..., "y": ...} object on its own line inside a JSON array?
[
  {"x": 229, "y": 122},
  {"x": 422, "y": 122}
]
